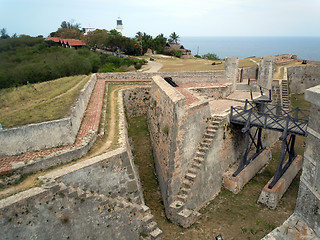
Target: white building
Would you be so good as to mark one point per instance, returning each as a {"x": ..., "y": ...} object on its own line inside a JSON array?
[
  {"x": 119, "y": 27},
  {"x": 88, "y": 29}
]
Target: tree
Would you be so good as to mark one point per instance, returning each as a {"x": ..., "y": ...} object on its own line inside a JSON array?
[
  {"x": 4, "y": 34},
  {"x": 115, "y": 32},
  {"x": 74, "y": 33},
  {"x": 211, "y": 56},
  {"x": 159, "y": 43},
  {"x": 174, "y": 38},
  {"x": 70, "y": 25},
  {"x": 97, "y": 38}
]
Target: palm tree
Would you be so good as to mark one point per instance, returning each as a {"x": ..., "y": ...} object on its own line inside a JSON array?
[{"x": 174, "y": 37}]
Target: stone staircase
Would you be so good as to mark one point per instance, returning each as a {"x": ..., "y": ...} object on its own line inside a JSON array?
[
  {"x": 142, "y": 212},
  {"x": 178, "y": 212},
  {"x": 285, "y": 94}
]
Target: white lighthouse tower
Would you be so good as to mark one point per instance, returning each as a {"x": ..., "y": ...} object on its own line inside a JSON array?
[{"x": 119, "y": 27}]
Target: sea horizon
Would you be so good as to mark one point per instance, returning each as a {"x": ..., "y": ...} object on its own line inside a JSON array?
[{"x": 244, "y": 46}]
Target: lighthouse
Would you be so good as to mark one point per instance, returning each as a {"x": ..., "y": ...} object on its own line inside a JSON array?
[{"x": 119, "y": 27}]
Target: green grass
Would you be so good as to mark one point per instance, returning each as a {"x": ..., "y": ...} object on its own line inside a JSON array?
[
  {"x": 297, "y": 100},
  {"x": 38, "y": 102}
]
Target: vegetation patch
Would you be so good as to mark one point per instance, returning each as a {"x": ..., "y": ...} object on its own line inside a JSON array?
[{"x": 39, "y": 102}]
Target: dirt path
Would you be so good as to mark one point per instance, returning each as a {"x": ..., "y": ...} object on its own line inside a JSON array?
[
  {"x": 71, "y": 89},
  {"x": 112, "y": 126},
  {"x": 155, "y": 66},
  {"x": 32, "y": 180}
]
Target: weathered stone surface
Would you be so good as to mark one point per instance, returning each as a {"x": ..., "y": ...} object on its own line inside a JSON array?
[
  {"x": 235, "y": 184},
  {"x": 265, "y": 75},
  {"x": 271, "y": 197},
  {"x": 303, "y": 77},
  {"x": 47, "y": 134},
  {"x": 292, "y": 229},
  {"x": 231, "y": 70}
]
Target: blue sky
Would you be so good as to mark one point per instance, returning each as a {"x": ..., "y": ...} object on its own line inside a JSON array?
[{"x": 185, "y": 17}]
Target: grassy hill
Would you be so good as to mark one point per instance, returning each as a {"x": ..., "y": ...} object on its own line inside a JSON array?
[
  {"x": 39, "y": 102},
  {"x": 31, "y": 60}
]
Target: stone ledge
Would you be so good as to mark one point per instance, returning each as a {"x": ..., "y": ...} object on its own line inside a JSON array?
[
  {"x": 235, "y": 184},
  {"x": 54, "y": 159},
  {"x": 292, "y": 229},
  {"x": 271, "y": 197}
]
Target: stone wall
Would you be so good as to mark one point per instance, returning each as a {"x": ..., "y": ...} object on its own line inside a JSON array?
[
  {"x": 224, "y": 152},
  {"x": 190, "y": 132},
  {"x": 308, "y": 202},
  {"x": 165, "y": 112},
  {"x": 67, "y": 213},
  {"x": 49, "y": 134},
  {"x": 99, "y": 198},
  {"x": 216, "y": 92},
  {"x": 136, "y": 101},
  {"x": 303, "y": 77},
  {"x": 249, "y": 72},
  {"x": 183, "y": 77},
  {"x": 231, "y": 71}
]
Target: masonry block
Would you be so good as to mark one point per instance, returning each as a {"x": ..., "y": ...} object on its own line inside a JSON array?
[
  {"x": 235, "y": 184},
  {"x": 271, "y": 197}
]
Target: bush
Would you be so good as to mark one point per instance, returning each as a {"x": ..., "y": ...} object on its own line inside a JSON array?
[
  {"x": 26, "y": 59},
  {"x": 211, "y": 56},
  {"x": 197, "y": 56}
]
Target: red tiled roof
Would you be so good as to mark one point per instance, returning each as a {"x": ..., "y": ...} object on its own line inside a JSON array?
[
  {"x": 55, "y": 39},
  {"x": 70, "y": 42},
  {"x": 73, "y": 42}
]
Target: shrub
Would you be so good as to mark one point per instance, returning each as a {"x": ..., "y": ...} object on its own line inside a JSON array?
[
  {"x": 26, "y": 59},
  {"x": 211, "y": 56}
]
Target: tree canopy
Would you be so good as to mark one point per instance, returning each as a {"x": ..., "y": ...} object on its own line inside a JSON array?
[{"x": 174, "y": 38}]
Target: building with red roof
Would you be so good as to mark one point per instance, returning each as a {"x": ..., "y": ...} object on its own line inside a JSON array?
[{"x": 67, "y": 43}]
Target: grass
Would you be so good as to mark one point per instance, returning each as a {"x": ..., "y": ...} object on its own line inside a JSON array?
[
  {"x": 39, "y": 102},
  {"x": 189, "y": 65}
]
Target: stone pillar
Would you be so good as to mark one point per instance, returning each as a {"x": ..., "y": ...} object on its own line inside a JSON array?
[
  {"x": 308, "y": 202},
  {"x": 231, "y": 70},
  {"x": 265, "y": 74}
]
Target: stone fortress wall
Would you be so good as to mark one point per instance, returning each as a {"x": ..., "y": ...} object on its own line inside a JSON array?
[
  {"x": 303, "y": 77},
  {"x": 102, "y": 197},
  {"x": 49, "y": 134}
]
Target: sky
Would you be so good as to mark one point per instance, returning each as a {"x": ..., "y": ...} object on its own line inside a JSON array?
[{"x": 185, "y": 17}]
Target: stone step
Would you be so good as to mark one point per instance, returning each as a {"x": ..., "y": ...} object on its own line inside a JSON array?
[
  {"x": 81, "y": 193},
  {"x": 190, "y": 176},
  {"x": 156, "y": 234},
  {"x": 207, "y": 140},
  {"x": 73, "y": 193},
  {"x": 188, "y": 217},
  {"x": 205, "y": 144},
  {"x": 182, "y": 197},
  {"x": 185, "y": 191},
  {"x": 192, "y": 170},
  {"x": 148, "y": 218},
  {"x": 187, "y": 183},
  {"x": 198, "y": 159},
  {"x": 150, "y": 227},
  {"x": 176, "y": 206},
  {"x": 209, "y": 135},
  {"x": 215, "y": 122},
  {"x": 196, "y": 165},
  {"x": 211, "y": 131},
  {"x": 200, "y": 154},
  {"x": 203, "y": 149}
]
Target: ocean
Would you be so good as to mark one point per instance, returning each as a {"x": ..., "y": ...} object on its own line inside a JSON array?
[{"x": 304, "y": 47}]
